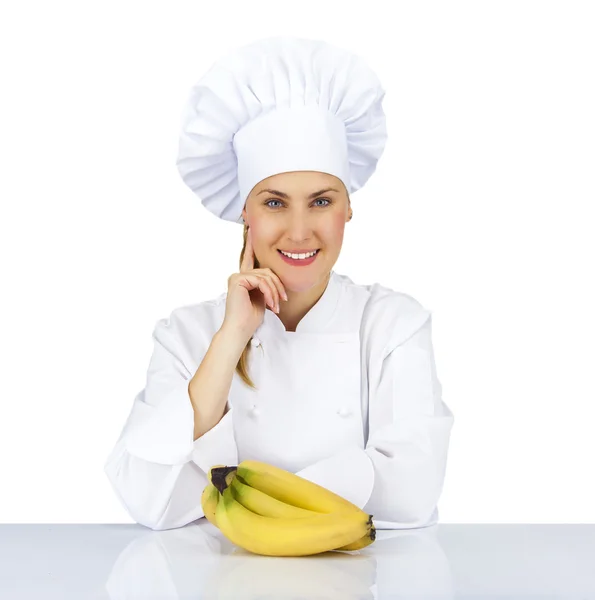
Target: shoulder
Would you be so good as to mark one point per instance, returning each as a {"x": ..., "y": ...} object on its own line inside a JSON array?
[
  {"x": 189, "y": 329},
  {"x": 190, "y": 318},
  {"x": 389, "y": 316}
]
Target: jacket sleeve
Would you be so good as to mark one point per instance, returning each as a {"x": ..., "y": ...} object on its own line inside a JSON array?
[
  {"x": 399, "y": 475},
  {"x": 156, "y": 469}
]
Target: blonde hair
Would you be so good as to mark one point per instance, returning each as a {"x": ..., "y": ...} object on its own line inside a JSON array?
[{"x": 242, "y": 366}]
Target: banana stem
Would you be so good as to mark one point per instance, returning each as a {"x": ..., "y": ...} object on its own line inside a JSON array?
[{"x": 220, "y": 479}]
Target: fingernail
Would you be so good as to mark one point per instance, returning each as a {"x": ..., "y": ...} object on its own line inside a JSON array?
[{"x": 285, "y": 296}]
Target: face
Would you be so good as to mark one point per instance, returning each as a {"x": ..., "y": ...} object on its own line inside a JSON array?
[{"x": 298, "y": 222}]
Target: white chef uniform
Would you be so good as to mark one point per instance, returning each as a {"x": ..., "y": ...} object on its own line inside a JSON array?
[{"x": 350, "y": 400}]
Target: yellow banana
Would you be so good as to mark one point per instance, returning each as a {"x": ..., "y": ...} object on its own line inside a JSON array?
[
  {"x": 210, "y": 496},
  {"x": 364, "y": 541},
  {"x": 292, "y": 489},
  {"x": 288, "y": 537},
  {"x": 208, "y": 501},
  {"x": 267, "y": 506}
]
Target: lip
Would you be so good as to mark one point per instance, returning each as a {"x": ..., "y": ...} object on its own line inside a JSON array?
[{"x": 296, "y": 262}]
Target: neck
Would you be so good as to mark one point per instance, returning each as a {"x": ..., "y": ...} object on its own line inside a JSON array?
[{"x": 300, "y": 303}]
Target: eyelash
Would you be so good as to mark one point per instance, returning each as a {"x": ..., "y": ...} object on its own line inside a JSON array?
[{"x": 266, "y": 203}]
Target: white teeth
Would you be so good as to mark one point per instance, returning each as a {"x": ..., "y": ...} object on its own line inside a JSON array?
[{"x": 299, "y": 256}]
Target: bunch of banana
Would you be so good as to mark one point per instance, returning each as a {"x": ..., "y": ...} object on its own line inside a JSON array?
[{"x": 268, "y": 510}]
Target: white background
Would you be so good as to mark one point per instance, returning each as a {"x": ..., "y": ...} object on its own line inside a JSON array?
[{"x": 480, "y": 208}]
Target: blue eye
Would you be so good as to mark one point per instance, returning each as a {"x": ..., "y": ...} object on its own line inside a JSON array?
[{"x": 329, "y": 201}]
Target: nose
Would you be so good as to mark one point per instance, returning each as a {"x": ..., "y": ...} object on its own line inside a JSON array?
[{"x": 299, "y": 229}]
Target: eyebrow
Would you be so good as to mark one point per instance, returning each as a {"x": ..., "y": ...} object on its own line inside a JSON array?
[{"x": 284, "y": 195}]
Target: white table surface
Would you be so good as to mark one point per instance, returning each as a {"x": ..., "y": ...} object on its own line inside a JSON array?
[{"x": 60, "y": 562}]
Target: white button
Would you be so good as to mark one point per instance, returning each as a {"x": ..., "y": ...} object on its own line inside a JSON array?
[
  {"x": 254, "y": 412},
  {"x": 255, "y": 342},
  {"x": 344, "y": 412}
]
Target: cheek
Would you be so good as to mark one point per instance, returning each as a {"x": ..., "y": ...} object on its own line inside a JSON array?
[
  {"x": 262, "y": 237},
  {"x": 337, "y": 228},
  {"x": 258, "y": 232}
]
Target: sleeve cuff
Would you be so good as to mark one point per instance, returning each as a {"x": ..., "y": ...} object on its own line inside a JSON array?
[
  {"x": 162, "y": 433},
  {"x": 349, "y": 473}
]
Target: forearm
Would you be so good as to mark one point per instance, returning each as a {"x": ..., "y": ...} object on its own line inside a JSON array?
[{"x": 209, "y": 388}]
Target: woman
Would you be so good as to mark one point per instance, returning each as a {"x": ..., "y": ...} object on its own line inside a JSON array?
[{"x": 295, "y": 365}]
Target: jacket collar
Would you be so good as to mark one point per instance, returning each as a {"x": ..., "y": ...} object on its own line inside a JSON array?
[{"x": 317, "y": 320}]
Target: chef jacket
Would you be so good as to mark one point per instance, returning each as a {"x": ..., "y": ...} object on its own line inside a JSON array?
[{"x": 350, "y": 400}]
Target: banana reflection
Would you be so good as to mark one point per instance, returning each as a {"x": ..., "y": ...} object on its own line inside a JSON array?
[{"x": 198, "y": 561}]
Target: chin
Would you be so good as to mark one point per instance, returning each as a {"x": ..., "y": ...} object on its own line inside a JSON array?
[{"x": 295, "y": 283}]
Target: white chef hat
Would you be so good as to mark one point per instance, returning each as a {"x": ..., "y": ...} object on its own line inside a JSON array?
[{"x": 276, "y": 105}]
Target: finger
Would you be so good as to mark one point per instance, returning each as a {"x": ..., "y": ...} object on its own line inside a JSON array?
[
  {"x": 265, "y": 288},
  {"x": 274, "y": 290},
  {"x": 258, "y": 282},
  {"x": 279, "y": 284},
  {"x": 248, "y": 260}
]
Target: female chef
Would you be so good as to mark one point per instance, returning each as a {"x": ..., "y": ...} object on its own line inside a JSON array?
[{"x": 295, "y": 365}]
